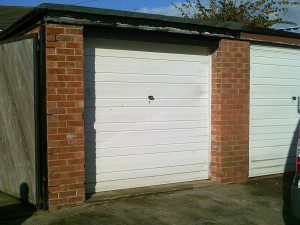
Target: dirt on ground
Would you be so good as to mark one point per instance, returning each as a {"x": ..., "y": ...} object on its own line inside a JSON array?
[{"x": 263, "y": 201}]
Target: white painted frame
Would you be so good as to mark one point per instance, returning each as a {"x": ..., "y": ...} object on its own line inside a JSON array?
[
  {"x": 209, "y": 112},
  {"x": 250, "y": 116}
]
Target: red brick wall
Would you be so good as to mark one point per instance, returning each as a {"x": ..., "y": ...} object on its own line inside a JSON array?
[
  {"x": 65, "y": 104},
  {"x": 230, "y": 111}
]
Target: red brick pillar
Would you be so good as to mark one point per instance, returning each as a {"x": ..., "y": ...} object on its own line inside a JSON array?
[
  {"x": 65, "y": 105},
  {"x": 230, "y": 112}
]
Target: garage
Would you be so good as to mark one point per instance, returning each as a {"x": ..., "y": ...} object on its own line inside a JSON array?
[
  {"x": 147, "y": 113},
  {"x": 274, "y": 109}
]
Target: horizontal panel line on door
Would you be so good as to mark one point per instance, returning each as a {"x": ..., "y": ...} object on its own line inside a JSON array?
[
  {"x": 255, "y": 156},
  {"x": 270, "y": 133},
  {"x": 165, "y": 144},
  {"x": 150, "y": 106},
  {"x": 90, "y": 121},
  {"x": 128, "y": 131},
  {"x": 122, "y": 73},
  {"x": 143, "y": 98},
  {"x": 275, "y": 65},
  {"x": 129, "y": 123},
  {"x": 266, "y": 57},
  {"x": 275, "y": 125},
  {"x": 150, "y": 168},
  {"x": 123, "y": 66},
  {"x": 143, "y": 58},
  {"x": 100, "y": 179},
  {"x": 276, "y": 85},
  {"x": 175, "y": 137},
  {"x": 135, "y": 146},
  {"x": 264, "y": 118},
  {"x": 202, "y": 106},
  {"x": 168, "y": 174},
  {"x": 131, "y": 166},
  {"x": 149, "y": 153},
  {"x": 271, "y": 166},
  {"x": 92, "y": 72},
  {"x": 290, "y": 52},
  {"x": 140, "y": 82},
  {"x": 277, "y": 139},
  {"x": 261, "y": 75},
  {"x": 275, "y": 78},
  {"x": 293, "y": 145}
]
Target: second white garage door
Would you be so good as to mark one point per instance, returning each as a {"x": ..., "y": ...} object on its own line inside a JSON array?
[
  {"x": 146, "y": 114},
  {"x": 274, "y": 109}
]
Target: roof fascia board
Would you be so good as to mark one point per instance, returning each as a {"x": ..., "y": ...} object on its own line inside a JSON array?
[
  {"x": 134, "y": 24},
  {"x": 66, "y": 13},
  {"x": 135, "y": 15}
]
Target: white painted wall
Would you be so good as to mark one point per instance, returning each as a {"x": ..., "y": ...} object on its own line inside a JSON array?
[
  {"x": 132, "y": 141},
  {"x": 274, "y": 116}
]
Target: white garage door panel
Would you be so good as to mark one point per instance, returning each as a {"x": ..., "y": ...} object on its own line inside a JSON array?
[
  {"x": 275, "y": 79},
  {"x": 145, "y": 181},
  {"x": 128, "y": 166},
  {"x": 145, "y": 70},
  {"x": 274, "y": 136},
  {"x": 272, "y": 95},
  {"x": 277, "y": 62},
  {"x": 261, "y": 70},
  {"x": 132, "y": 141},
  {"x": 268, "y": 170},
  {"x": 272, "y": 102},
  {"x": 134, "y": 50},
  {"x": 143, "y": 134},
  {"x": 123, "y": 111},
  {"x": 146, "y": 63},
  {"x": 275, "y": 52},
  {"x": 121, "y": 91},
  {"x": 113, "y": 176},
  {"x": 145, "y": 149},
  {"x": 274, "y": 88},
  {"x": 146, "y": 140},
  {"x": 271, "y": 112},
  {"x": 120, "y": 127},
  {"x": 142, "y": 118},
  {"x": 273, "y": 162},
  {"x": 273, "y": 152},
  {"x": 270, "y": 143},
  {"x": 136, "y": 78},
  {"x": 145, "y": 103},
  {"x": 157, "y": 154},
  {"x": 272, "y": 129},
  {"x": 156, "y": 56}
]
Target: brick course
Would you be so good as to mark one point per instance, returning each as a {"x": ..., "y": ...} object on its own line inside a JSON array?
[
  {"x": 230, "y": 111},
  {"x": 65, "y": 102}
]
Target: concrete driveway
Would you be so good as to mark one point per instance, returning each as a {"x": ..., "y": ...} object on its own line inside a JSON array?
[{"x": 257, "y": 202}]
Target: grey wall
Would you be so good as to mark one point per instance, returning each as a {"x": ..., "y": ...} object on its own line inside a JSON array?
[{"x": 17, "y": 126}]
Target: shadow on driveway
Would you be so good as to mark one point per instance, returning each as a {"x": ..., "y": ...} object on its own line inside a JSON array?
[
  {"x": 288, "y": 177},
  {"x": 287, "y": 214},
  {"x": 14, "y": 211}
]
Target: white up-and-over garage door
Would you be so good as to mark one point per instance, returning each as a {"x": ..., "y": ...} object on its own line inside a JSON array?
[
  {"x": 274, "y": 109},
  {"x": 146, "y": 114}
]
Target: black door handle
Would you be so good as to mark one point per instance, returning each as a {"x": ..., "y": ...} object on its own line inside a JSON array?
[
  {"x": 150, "y": 97},
  {"x": 294, "y": 98}
]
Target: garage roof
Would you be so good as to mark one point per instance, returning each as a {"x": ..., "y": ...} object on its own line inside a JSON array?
[
  {"x": 11, "y": 14},
  {"x": 133, "y": 20}
]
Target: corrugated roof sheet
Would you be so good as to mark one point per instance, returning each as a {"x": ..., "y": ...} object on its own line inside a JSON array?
[{"x": 11, "y": 14}]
